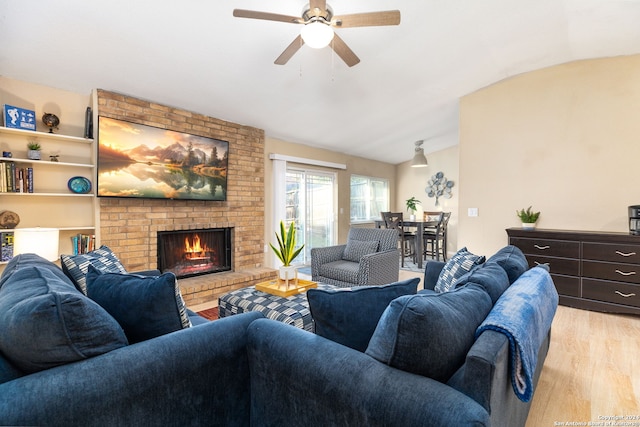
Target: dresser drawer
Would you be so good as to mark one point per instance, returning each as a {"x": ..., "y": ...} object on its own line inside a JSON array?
[
  {"x": 611, "y": 252},
  {"x": 547, "y": 247},
  {"x": 611, "y": 271},
  {"x": 570, "y": 267},
  {"x": 567, "y": 285},
  {"x": 615, "y": 292}
]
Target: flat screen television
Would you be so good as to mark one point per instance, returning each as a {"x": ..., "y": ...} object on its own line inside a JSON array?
[{"x": 141, "y": 161}]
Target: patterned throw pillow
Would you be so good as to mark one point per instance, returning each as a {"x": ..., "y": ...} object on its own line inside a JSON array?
[
  {"x": 356, "y": 249},
  {"x": 76, "y": 266},
  {"x": 145, "y": 306},
  {"x": 458, "y": 265}
]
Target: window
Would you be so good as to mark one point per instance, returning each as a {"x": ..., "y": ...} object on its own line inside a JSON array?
[{"x": 369, "y": 197}]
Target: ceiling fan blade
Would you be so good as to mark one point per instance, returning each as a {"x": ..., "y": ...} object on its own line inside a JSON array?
[
  {"x": 343, "y": 51},
  {"x": 285, "y": 56},
  {"x": 320, "y": 4},
  {"x": 242, "y": 13},
  {"x": 371, "y": 19}
]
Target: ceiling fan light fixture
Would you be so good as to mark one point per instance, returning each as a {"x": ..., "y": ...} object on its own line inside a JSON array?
[
  {"x": 317, "y": 34},
  {"x": 419, "y": 159}
]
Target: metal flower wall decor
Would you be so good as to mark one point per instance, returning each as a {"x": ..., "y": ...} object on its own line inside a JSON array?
[{"x": 439, "y": 186}]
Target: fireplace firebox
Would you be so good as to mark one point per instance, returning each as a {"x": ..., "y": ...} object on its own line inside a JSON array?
[{"x": 193, "y": 252}]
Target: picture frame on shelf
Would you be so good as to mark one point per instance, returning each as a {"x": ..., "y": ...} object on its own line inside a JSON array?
[{"x": 19, "y": 118}]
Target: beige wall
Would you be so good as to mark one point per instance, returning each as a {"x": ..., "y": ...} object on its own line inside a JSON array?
[
  {"x": 355, "y": 165},
  {"x": 563, "y": 139},
  {"x": 413, "y": 181}
]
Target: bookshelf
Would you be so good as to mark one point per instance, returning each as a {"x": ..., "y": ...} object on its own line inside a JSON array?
[{"x": 52, "y": 203}]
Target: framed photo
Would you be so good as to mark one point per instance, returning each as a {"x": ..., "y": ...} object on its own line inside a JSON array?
[{"x": 19, "y": 118}]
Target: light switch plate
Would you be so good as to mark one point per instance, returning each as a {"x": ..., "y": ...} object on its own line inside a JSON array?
[{"x": 472, "y": 212}]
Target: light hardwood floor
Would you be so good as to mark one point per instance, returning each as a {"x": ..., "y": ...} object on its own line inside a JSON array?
[{"x": 592, "y": 371}]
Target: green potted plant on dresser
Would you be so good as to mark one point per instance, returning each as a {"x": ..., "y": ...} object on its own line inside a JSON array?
[{"x": 528, "y": 218}]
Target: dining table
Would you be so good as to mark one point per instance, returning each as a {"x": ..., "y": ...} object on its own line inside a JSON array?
[{"x": 420, "y": 227}]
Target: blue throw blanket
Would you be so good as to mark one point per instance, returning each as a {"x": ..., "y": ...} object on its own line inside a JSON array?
[{"x": 524, "y": 313}]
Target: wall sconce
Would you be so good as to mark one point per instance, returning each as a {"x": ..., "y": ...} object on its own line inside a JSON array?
[
  {"x": 419, "y": 159},
  {"x": 39, "y": 241}
]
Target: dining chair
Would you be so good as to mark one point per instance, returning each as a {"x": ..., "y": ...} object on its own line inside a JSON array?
[
  {"x": 435, "y": 238},
  {"x": 406, "y": 238}
]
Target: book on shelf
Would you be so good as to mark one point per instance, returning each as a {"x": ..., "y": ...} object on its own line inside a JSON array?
[
  {"x": 83, "y": 243},
  {"x": 6, "y": 238},
  {"x": 19, "y": 118}
]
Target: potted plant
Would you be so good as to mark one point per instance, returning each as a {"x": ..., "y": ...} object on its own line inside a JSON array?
[
  {"x": 528, "y": 218},
  {"x": 286, "y": 251},
  {"x": 34, "y": 150},
  {"x": 412, "y": 207}
]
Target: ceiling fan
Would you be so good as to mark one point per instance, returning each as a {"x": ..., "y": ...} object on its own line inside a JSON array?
[{"x": 318, "y": 21}]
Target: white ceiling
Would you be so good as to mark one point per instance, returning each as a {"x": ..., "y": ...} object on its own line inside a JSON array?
[{"x": 193, "y": 54}]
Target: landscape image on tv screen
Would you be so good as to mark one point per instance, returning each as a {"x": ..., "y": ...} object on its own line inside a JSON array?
[{"x": 142, "y": 161}]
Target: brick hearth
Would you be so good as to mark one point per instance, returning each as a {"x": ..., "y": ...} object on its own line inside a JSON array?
[{"x": 129, "y": 226}]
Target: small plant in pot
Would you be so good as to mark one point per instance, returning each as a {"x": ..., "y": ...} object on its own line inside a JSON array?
[
  {"x": 33, "y": 152},
  {"x": 528, "y": 218},
  {"x": 412, "y": 206},
  {"x": 287, "y": 252}
]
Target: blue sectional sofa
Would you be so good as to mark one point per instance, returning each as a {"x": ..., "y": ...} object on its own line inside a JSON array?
[{"x": 433, "y": 358}]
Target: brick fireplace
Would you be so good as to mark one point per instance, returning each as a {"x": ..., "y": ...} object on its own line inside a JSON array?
[{"x": 130, "y": 226}]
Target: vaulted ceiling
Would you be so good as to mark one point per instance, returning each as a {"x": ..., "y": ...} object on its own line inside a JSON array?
[{"x": 195, "y": 55}]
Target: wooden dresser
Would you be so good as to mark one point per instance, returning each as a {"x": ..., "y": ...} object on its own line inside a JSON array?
[{"x": 592, "y": 270}]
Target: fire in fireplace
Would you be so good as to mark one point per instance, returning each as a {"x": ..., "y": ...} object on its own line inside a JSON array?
[{"x": 194, "y": 252}]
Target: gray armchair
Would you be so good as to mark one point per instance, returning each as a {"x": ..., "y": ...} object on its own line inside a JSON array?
[{"x": 370, "y": 257}]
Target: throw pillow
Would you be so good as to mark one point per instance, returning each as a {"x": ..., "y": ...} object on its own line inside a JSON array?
[
  {"x": 46, "y": 322},
  {"x": 512, "y": 260},
  {"x": 76, "y": 266},
  {"x": 430, "y": 335},
  {"x": 145, "y": 306},
  {"x": 459, "y": 264},
  {"x": 490, "y": 276},
  {"x": 349, "y": 316},
  {"x": 356, "y": 249}
]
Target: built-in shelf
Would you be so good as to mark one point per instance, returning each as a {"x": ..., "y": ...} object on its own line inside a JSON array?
[
  {"x": 49, "y": 163},
  {"x": 45, "y": 135}
]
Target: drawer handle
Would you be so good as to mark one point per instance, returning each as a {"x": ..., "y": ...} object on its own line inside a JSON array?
[
  {"x": 541, "y": 263},
  {"x": 630, "y": 273},
  {"x": 541, "y": 247},
  {"x": 625, "y": 295},
  {"x": 625, "y": 253}
]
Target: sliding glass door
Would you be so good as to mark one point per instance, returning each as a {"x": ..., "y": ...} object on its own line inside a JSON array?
[{"x": 310, "y": 202}]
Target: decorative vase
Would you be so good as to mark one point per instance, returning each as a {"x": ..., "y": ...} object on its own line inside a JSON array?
[
  {"x": 412, "y": 217},
  {"x": 33, "y": 154},
  {"x": 288, "y": 274},
  {"x": 528, "y": 225}
]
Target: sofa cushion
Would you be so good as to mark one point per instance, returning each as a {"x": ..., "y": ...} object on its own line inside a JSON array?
[
  {"x": 490, "y": 276},
  {"x": 46, "y": 322},
  {"x": 356, "y": 249},
  {"x": 430, "y": 335},
  {"x": 344, "y": 271},
  {"x": 459, "y": 264},
  {"x": 512, "y": 260},
  {"x": 349, "y": 315},
  {"x": 145, "y": 306},
  {"x": 76, "y": 266}
]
